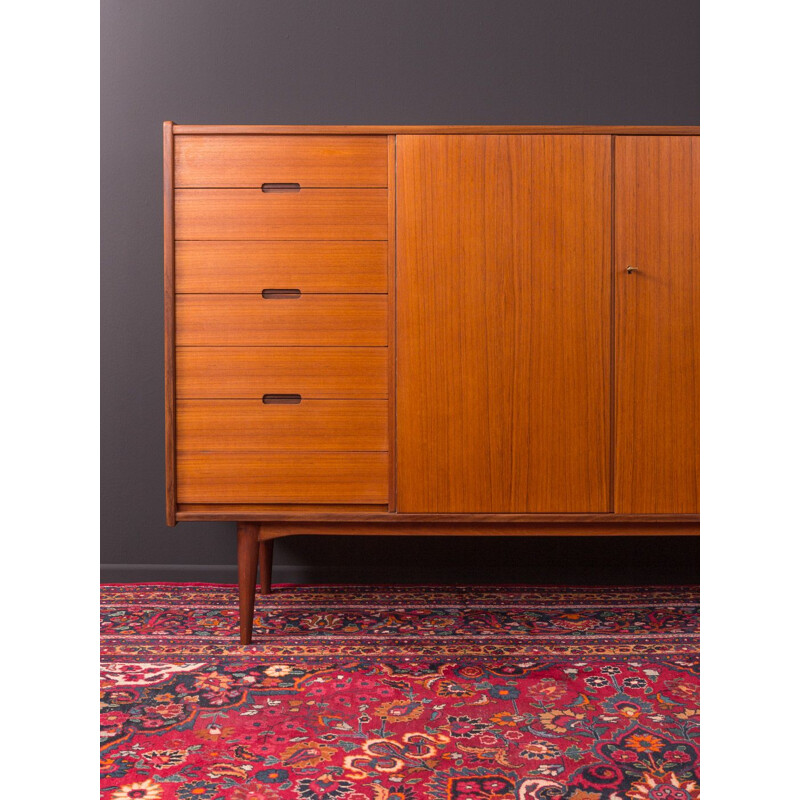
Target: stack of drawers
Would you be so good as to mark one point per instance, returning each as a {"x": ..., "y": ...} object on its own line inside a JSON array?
[{"x": 281, "y": 323}]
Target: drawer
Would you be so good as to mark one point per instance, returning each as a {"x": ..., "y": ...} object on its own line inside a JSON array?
[
  {"x": 250, "y": 161},
  {"x": 225, "y": 425},
  {"x": 328, "y": 214},
  {"x": 315, "y": 319},
  {"x": 250, "y": 372},
  {"x": 249, "y": 267},
  {"x": 287, "y": 477}
]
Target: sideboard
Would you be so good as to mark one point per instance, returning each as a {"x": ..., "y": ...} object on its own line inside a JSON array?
[{"x": 430, "y": 330}]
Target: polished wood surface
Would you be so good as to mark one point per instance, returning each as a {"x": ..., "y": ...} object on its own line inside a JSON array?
[
  {"x": 169, "y": 324},
  {"x": 362, "y": 513},
  {"x": 283, "y": 477},
  {"x": 247, "y": 552},
  {"x": 378, "y": 528},
  {"x": 503, "y": 323},
  {"x": 334, "y": 239},
  {"x": 250, "y": 372},
  {"x": 372, "y": 130},
  {"x": 314, "y": 319},
  {"x": 331, "y": 214},
  {"x": 391, "y": 421},
  {"x": 657, "y": 325},
  {"x": 488, "y": 360},
  {"x": 220, "y": 425},
  {"x": 276, "y": 510},
  {"x": 249, "y": 267},
  {"x": 250, "y": 161}
]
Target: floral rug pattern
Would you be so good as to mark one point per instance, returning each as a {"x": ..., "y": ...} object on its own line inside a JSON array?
[{"x": 400, "y": 693}]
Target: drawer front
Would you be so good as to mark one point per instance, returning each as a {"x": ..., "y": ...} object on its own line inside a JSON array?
[
  {"x": 283, "y": 477},
  {"x": 329, "y": 214},
  {"x": 239, "y": 319},
  {"x": 250, "y": 372},
  {"x": 317, "y": 425},
  {"x": 249, "y": 267},
  {"x": 250, "y": 161}
]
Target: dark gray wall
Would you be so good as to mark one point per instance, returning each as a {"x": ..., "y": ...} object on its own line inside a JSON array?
[{"x": 358, "y": 62}]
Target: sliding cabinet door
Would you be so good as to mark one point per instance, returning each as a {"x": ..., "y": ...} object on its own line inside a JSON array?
[
  {"x": 503, "y": 323},
  {"x": 657, "y": 266}
]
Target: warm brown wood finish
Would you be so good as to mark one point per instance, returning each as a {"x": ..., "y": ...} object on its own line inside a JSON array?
[
  {"x": 503, "y": 303},
  {"x": 392, "y": 327},
  {"x": 276, "y": 510},
  {"x": 657, "y": 325},
  {"x": 219, "y": 425},
  {"x": 355, "y": 513},
  {"x": 238, "y": 319},
  {"x": 169, "y": 325},
  {"x": 250, "y": 267},
  {"x": 250, "y": 161},
  {"x": 330, "y": 214},
  {"x": 292, "y": 527},
  {"x": 250, "y": 372},
  {"x": 430, "y": 330},
  {"x": 247, "y": 534},
  {"x": 282, "y": 477},
  {"x": 391, "y": 130}
]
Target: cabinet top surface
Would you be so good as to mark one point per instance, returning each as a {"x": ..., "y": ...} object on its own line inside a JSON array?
[{"x": 365, "y": 130}]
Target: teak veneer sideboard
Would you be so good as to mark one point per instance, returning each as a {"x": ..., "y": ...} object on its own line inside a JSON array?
[{"x": 430, "y": 330}]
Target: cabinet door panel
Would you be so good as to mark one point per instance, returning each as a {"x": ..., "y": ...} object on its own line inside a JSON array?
[
  {"x": 503, "y": 323},
  {"x": 657, "y": 232}
]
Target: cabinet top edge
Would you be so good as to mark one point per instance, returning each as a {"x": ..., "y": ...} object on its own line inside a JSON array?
[{"x": 384, "y": 130}]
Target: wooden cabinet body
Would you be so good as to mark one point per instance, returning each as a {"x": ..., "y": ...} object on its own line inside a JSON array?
[
  {"x": 431, "y": 330},
  {"x": 503, "y": 316}
]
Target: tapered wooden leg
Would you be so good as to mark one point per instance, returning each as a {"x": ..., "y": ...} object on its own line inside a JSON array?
[
  {"x": 247, "y": 533},
  {"x": 265, "y": 564}
]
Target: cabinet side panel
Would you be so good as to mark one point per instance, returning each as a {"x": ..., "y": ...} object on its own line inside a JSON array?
[
  {"x": 503, "y": 316},
  {"x": 169, "y": 323},
  {"x": 657, "y": 232}
]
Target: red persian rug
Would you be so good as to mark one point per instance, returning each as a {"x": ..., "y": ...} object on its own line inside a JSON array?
[{"x": 394, "y": 693}]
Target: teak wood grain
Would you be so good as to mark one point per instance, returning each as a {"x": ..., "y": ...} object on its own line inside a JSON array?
[
  {"x": 503, "y": 323},
  {"x": 220, "y": 425},
  {"x": 391, "y": 421},
  {"x": 294, "y": 527},
  {"x": 250, "y": 161},
  {"x": 240, "y": 319},
  {"x": 247, "y": 557},
  {"x": 249, "y": 267},
  {"x": 331, "y": 214},
  {"x": 250, "y": 372},
  {"x": 283, "y": 477},
  {"x": 445, "y": 130},
  {"x": 657, "y": 222},
  {"x": 473, "y": 356},
  {"x": 169, "y": 323},
  {"x": 278, "y": 513},
  {"x": 283, "y": 510}
]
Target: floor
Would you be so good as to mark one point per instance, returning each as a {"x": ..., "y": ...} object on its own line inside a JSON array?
[{"x": 401, "y": 693}]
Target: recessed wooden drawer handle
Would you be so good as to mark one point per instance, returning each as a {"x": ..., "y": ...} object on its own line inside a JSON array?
[
  {"x": 629, "y": 270},
  {"x": 280, "y": 187},
  {"x": 281, "y": 399},
  {"x": 280, "y": 294}
]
